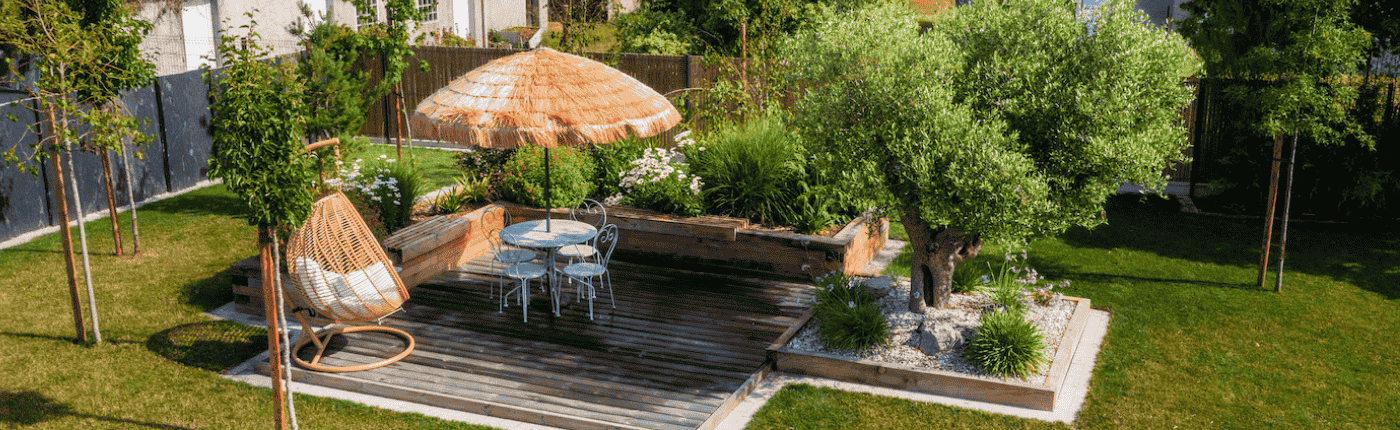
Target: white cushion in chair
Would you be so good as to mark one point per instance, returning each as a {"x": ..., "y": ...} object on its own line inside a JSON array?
[
  {"x": 584, "y": 270},
  {"x": 346, "y": 295},
  {"x": 576, "y": 251}
]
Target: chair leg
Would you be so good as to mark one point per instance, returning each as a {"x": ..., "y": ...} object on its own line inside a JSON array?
[{"x": 608, "y": 282}]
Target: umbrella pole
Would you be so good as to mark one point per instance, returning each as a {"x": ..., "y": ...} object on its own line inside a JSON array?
[{"x": 548, "y": 209}]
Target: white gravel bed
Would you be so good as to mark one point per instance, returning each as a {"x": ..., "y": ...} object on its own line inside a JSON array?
[{"x": 964, "y": 310}]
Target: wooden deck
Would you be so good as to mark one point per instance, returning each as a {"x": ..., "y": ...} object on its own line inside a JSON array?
[{"x": 673, "y": 355}]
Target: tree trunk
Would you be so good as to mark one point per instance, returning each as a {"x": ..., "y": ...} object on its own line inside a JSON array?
[
  {"x": 73, "y": 293},
  {"x": 270, "y": 309},
  {"x": 936, "y": 254},
  {"x": 131, "y": 202},
  {"x": 106, "y": 156}
]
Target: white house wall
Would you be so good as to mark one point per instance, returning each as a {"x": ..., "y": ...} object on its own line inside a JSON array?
[{"x": 165, "y": 45}]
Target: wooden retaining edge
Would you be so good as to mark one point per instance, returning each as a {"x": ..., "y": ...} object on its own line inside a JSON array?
[
  {"x": 480, "y": 407},
  {"x": 1069, "y": 344},
  {"x": 717, "y": 228},
  {"x": 1028, "y": 395},
  {"x": 737, "y": 397}
]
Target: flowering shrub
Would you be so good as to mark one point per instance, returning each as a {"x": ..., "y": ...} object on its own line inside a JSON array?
[
  {"x": 385, "y": 185},
  {"x": 570, "y": 171},
  {"x": 660, "y": 180},
  {"x": 847, "y": 313}
]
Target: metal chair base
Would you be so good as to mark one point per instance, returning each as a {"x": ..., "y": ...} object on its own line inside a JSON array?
[{"x": 322, "y": 340}]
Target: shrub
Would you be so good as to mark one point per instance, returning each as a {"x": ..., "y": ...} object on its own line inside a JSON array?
[
  {"x": 570, "y": 171},
  {"x": 468, "y": 190},
  {"x": 1006, "y": 344},
  {"x": 661, "y": 181},
  {"x": 966, "y": 279},
  {"x": 847, "y": 313},
  {"x": 752, "y": 170},
  {"x": 391, "y": 188},
  {"x": 613, "y": 160},
  {"x": 486, "y": 163}
]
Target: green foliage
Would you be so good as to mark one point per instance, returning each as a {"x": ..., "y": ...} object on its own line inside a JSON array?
[
  {"x": 651, "y": 30},
  {"x": 89, "y": 54},
  {"x": 662, "y": 181},
  {"x": 1301, "y": 45},
  {"x": 614, "y": 160},
  {"x": 257, "y": 113},
  {"x": 389, "y": 187},
  {"x": 966, "y": 279},
  {"x": 847, "y": 313},
  {"x": 752, "y": 170},
  {"x": 484, "y": 162},
  {"x": 469, "y": 189},
  {"x": 335, "y": 86},
  {"x": 1006, "y": 293},
  {"x": 1006, "y": 345},
  {"x": 570, "y": 177},
  {"x": 1002, "y": 121}
]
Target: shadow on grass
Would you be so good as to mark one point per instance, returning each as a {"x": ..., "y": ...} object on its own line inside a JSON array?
[
  {"x": 1364, "y": 254},
  {"x": 211, "y": 345},
  {"x": 210, "y": 293},
  {"x": 26, "y": 408}
]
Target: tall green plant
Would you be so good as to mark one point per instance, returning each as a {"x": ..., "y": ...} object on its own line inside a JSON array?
[
  {"x": 752, "y": 170},
  {"x": 1005, "y": 119},
  {"x": 257, "y": 112}
]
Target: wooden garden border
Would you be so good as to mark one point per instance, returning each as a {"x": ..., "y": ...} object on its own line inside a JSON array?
[{"x": 945, "y": 383}]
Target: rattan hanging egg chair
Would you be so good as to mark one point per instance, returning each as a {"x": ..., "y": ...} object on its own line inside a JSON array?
[{"x": 339, "y": 271}]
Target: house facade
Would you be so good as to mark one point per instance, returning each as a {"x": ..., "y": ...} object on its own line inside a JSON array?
[{"x": 186, "y": 34}]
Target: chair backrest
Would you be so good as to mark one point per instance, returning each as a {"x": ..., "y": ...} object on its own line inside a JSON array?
[
  {"x": 493, "y": 237},
  {"x": 591, "y": 212},
  {"x": 607, "y": 237}
]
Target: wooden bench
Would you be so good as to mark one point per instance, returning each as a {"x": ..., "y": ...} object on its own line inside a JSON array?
[{"x": 433, "y": 246}]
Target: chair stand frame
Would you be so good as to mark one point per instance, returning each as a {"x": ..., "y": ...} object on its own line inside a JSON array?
[{"x": 323, "y": 340}]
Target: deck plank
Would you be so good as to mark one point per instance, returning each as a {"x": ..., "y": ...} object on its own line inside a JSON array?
[{"x": 673, "y": 352}]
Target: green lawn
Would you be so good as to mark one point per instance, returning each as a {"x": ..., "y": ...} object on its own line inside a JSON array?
[
  {"x": 158, "y": 366},
  {"x": 437, "y": 166},
  {"x": 1193, "y": 342}
]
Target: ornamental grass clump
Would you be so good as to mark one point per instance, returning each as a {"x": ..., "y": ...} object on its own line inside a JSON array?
[
  {"x": 570, "y": 177},
  {"x": 661, "y": 181},
  {"x": 847, "y": 314},
  {"x": 1006, "y": 344},
  {"x": 753, "y": 170}
]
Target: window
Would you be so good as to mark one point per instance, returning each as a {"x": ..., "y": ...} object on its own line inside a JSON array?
[
  {"x": 429, "y": 10},
  {"x": 371, "y": 15}
]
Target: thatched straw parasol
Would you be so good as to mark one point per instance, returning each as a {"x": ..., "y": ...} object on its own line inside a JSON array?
[{"x": 544, "y": 98}]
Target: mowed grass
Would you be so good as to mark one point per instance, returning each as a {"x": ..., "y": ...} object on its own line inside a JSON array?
[
  {"x": 159, "y": 362},
  {"x": 438, "y": 167},
  {"x": 1194, "y": 342}
]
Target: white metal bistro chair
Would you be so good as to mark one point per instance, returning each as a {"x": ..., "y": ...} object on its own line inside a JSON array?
[
  {"x": 592, "y": 273},
  {"x": 503, "y": 256},
  {"x": 521, "y": 273},
  {"x": 590, "y": 212}
]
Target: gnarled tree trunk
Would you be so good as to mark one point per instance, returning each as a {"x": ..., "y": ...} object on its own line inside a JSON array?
[{"x": 936, "y": 254}]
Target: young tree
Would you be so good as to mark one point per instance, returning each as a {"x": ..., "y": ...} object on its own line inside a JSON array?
[
  {"x": 258, "y": 115},
  {"x": 84, "y": 57},
  {"x": 1007, "y": 119},
  {"x": 1297, "y": 48},
  {"x": 389, "y": 39}
]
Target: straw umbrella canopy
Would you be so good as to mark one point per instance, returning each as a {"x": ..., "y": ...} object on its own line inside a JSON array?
[{"x": 546, "y": 98}]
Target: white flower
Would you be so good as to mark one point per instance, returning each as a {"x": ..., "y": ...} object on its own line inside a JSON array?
[{"x": 851, "y": 304}]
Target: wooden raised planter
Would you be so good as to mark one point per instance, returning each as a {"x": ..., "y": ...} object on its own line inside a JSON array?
[
  {"x": 1039, "y": 396},
  {"x": 731, "y": 244}
]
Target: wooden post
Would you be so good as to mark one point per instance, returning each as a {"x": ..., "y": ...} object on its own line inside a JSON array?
[
  {"x": 68, "y": 243},
  {"x": 1287, "y": 199},
  {"x": 106, "y": 157},
  {"x": 398, "y": 118},
  {"x": 1271, "y": 199},
  {"x": 270, "y": 309}
]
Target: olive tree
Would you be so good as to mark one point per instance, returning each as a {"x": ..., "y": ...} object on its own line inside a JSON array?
[{"x": 1007, "y": 119}]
